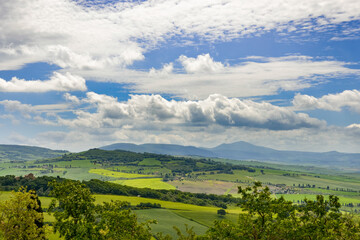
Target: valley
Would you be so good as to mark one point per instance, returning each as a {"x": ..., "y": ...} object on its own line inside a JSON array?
[{"x": 210, "y": 176}]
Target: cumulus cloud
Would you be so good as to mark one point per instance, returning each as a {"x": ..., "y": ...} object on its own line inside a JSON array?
[
  {"x": 164, "y": 72},
  {"x": 57, "y": 82},
  {"x": 354, "y": 126},
  {"x": 201, "y": 64},
  {"x": 331, "y": 102},
  {"x": 71, "y": 98},
  {"x": 102, "y": 119},
  {"x": 88, "y": 36},
  {"x": 214, "y": 110}
]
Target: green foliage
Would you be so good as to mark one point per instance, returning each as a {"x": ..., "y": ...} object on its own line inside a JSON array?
[
  {"x": 148, "y": 205},
  {"x": 77, "y": 216},
  {"x": 322, "y": 219},
  {"x": 118, "y": 222},
  {"x": 189, "y": 233},
  {"x": 221, "y": 212},
  {"x": 149, "y": 162},
  {"x": 21, "y": 217},
  {"x": 270, "y": 218}
]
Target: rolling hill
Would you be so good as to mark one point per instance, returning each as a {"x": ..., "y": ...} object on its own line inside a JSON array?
[
  {"x": 27, "y": 153},
  {"x": 246, "y": 151},
  {"x": 169, "y": 149}
]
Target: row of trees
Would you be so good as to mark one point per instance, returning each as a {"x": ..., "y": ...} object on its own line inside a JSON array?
[
  {"x": 40, "y": 184},
  {"x": 264, "y": 217}
]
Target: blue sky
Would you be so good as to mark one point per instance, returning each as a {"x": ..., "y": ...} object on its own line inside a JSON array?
[{"x": 81, "y": 74}]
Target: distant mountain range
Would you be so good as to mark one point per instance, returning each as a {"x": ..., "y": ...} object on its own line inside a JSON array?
[
  {"x": 27, "y": 153},
  {"x": 235, "y": 151},
  {"x": 246, "y": 151}
]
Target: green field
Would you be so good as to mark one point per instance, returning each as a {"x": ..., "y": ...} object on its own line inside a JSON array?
[
  {"x": 166, "y": 219},
  {"x": 149, "y": 162},
  {"x": 299, "y": 197}
]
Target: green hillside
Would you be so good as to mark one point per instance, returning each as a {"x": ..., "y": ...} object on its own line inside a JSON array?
[{"x": 17, "y": 153}]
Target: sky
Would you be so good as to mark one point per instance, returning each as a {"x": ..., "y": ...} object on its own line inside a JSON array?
[{"x": 79, "y": 74}]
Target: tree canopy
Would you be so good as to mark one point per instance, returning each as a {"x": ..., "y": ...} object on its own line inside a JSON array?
[
  {"x": 77, "y": 216},
  {"x": 21, "y": 216},
  {"x": 266, "y": 217}
]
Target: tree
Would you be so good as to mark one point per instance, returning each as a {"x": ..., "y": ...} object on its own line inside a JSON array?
[
  {"x": 117, "y": 222},
  {"x": 75, "y": 211},
  {"x": 21, "y": 216},
  {"x": 221, "y": 212},
  {"x": 322, "y": 219},
  {"x": 77, "y": 216},
  {"x": 266, "y": 217}
]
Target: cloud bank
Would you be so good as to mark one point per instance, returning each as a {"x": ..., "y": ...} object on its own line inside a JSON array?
[
  {"x": 332, "y": 102},
  {"x": 199, "y": 77},
  {"x": 98, "y": 36},
  {"x": 216, "y": 109},
  {"x": 57, "y": 82}
]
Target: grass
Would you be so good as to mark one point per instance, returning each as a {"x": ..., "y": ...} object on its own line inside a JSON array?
[
  {"x": 155, "y": 170},
  {"x": 149, "y": 162},
  {"x": 290, "y": 178},
  {"x": 239, "y": 175},
  {"x": 332, "y": 192},
  {"x": 77, "y": 174},
  {"x": 153, "y": 183},
  {"x": 296, "y": 197},
  {"x": 204, "y": 186},
  {"x": 166, "y": 220},
  {"x": 74, "y": 163},
  {"x": 114, "y": 174},
  {"x": 207, "y": 218}
]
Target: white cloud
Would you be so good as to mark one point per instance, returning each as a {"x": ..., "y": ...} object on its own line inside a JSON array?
[
  {"x": 164, "y": 72},
  {"x": 71, "y": 98},
  {"x": 331, "y": 102},
  {"x": 354, "y": 126},
  {"x": 57, "y": 82},
  {"x": 76, "y": 36},
  {"x": 217, "y": 119},
  {"x": 216, "y": 109},
  {"x": 10, "y": 117},
  {"x": 29, "y": 110},
  {"x": 17, "y": 106},
  {"x": 98, "y": 111},
  {"x": 201, "y": 64},
  {"x": 256, "y": 76}
]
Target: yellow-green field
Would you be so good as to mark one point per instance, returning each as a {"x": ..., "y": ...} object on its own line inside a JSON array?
[
  {"x": 153, "y": 183},
  {"x": 114, "y": 174}
]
